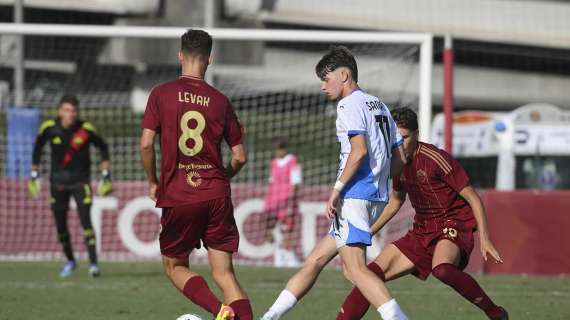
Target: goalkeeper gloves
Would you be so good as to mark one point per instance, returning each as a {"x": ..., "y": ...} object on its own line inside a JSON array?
[
  {"x": 105, "y": 185},
  {"x": 34, "y": 184}
]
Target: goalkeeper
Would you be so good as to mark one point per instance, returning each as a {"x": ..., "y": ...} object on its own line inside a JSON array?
[{"x": 69, "y": 139}]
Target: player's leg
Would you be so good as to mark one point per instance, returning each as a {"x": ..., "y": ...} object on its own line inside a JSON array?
[
  {"x": 446, "y": 259},
  {"x": 191, "y": 284},
  {"x": 83, "y": 198},
  {"x": 390, "y": 264},
  {"x": 59, "y": 201},
  {"x": 302, "y": 281},
  {"x": 224, "y": 276},
  {"x": 222, "y": 240},
  {"x": 270, "y": 224},
  {"x": 351, "y": 232},
  {"x": 181, "y": 229},
  {"x": 288, "y": 224},
  {"x": 353, "y": 258}
]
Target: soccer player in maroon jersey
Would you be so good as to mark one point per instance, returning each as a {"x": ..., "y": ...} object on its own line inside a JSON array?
[
  {"x": 192, "y": 118},
  {"x": 448, "y": 211}
]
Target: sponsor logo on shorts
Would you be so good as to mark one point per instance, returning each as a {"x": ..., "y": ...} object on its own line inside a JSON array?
[
  {"x": 193, "y": 179},
  {"x": 450, "y": 233}
]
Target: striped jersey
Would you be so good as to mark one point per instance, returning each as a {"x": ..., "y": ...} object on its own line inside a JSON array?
[
  {"x": 433, "y": 181},
  {"x": 361, "y": 113}
]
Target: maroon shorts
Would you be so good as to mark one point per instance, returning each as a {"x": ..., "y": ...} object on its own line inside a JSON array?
[
  {"x": 419, "y": 246},
  {"x": 210, "y": 221}
]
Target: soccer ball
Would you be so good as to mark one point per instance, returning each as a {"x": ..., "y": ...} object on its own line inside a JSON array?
[{"x": 189, "y": 317}]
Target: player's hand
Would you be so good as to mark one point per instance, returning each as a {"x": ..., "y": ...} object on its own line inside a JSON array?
[
  {"x": 332, "y": 204},
  {"x": 487, "y": 247},
  {"x": 34, "y": 185},
  {"x": 152, "y": 187},
  {"x": 105, "y": 185}
]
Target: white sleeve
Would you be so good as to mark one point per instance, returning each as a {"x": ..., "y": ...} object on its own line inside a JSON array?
[
  {"x": 352, "y": 116},
  {"x": 396, "y": 138},
  {"x": 296, "y": 175}
]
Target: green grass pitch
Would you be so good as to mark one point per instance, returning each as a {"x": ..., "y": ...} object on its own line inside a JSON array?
[{"x": 32, "y": 290}]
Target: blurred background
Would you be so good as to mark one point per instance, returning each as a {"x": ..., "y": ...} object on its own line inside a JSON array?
[{"x": 490, "y": 80}]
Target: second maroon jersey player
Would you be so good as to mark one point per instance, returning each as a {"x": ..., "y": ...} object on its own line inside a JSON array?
[
  {"x": 192, "y": 118},
  {"x": 433, "y": 181},
  {"x": 448, "y": 211}
]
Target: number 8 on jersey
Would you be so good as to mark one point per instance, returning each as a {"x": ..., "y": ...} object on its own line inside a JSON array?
[{"x": 191, "y": 134}]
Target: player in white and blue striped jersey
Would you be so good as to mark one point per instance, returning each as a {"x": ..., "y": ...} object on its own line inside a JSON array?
[{"x": 368, "y": 138}]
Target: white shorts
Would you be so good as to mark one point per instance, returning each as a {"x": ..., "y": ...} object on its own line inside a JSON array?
[{"x": 353, "y": 220}]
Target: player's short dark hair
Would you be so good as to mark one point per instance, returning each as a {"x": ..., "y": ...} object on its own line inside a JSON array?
[
  {"x": 196, "y": 43},
  {"x": 338, "y": 56},
  {"x": 280, "y": 143},
  {"x": 405, "y": 118},
  {"x": 69, "y": 98}
]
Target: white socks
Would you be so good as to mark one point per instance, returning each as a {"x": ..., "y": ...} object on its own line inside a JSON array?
[
  {"x": 285, "y": 302},
  {"x": 391, "y": 311}
]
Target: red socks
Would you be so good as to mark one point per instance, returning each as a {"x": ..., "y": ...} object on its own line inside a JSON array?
[
  {"x": 466, "y": 286},
  {"x": 242, "y": 309},
  {"x": 355, "y": 305},
  {"x": 196, "y": 289}
]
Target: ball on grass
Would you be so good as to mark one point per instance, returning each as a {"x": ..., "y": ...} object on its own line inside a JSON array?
[{"x": 189, "y": 317}]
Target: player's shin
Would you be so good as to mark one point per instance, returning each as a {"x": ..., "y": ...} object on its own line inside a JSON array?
[
  {"x": 391, "y": 311},
  {"x": 466, "y": 286},
  {"x": 65, "y": 241},
  {"x": 355, "y": 305},
  {"x": 242, "y": 309},
  {"x": 284, "y": 302},
  {"x": 196, "y": 289},
  {"x": 368, "y": 283},
  {"x": 91, "y": 244},
  {"x": 300, "y": 283}
]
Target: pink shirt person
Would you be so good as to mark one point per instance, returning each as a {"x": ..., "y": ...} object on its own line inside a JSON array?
[{"x": 284, "y": 175}]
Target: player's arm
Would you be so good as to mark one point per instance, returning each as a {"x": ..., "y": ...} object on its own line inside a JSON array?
[
  {"x": 39, "y": 144},
  {"x": 396, "y": 201},
  {"x": 41, "y": 139},
  {"x": 103, "y": 150},
  {"x": 100, "y": 144},
  {"x": 397, "y": 161},
  {"x": 148, "y": 159},
  {"x": 105, "y": 185},
  {"x": 237, "y": 161},
  {"x": 358, "y": 152},
  {"x": 234, "y": 134},
  {"x": 474, "y": 201},
  {"x": 296, "y": 177}
]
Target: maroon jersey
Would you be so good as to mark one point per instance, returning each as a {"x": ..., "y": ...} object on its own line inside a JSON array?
[
  {"x": 433, "y": 181},
  {"x": 192, "y": 119}
]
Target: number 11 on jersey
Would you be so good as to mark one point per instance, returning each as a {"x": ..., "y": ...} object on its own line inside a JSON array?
[{"x": 385, "y": 128}]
